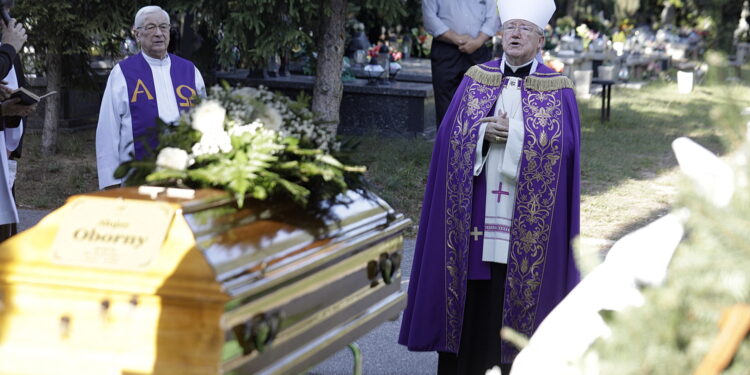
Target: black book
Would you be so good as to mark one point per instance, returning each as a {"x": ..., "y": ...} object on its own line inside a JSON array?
[{"x": 28, "y": 97}]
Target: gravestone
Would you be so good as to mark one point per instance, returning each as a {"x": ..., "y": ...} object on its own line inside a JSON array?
[
  {"x": 583, "y": 83},
  {"x": 412, "y": 70},
  {"x": 395, "y": 109}
]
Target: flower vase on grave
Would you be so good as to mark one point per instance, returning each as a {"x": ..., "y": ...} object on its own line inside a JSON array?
[
  {"x": 623, "y": 74},
  {"x": 406, "y": 46},
  {"x": 272, "y": 68},
  {"x": 358, "y": 42},
  {"x": 284, "y": 66},
  {"x": 393, "y": 69},
  {"x": 606, "y": 72},
  {"x": 360, "y": 57},
  {"x": 384, "y": 60},
  {"x": 597, "y": 45},
  {"x": 373, "y": 71}
]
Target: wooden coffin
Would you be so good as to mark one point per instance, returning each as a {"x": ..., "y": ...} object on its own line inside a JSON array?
[{"x": 118, "y": 282}]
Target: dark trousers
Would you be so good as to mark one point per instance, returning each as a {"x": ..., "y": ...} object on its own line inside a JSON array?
[
  {"x": 7, "y": 230},
  {"x": 448, "y": 68},
  {"x": 10, "y": 229},
  {"x": 479, "y": 349}
]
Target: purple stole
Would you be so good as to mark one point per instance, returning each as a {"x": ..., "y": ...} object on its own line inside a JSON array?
[
  {"x": 142, "y": 97},
  {"x": 541, "y": 269}
]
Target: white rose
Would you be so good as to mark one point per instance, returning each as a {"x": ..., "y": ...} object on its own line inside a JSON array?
[
  {"x": 209, "y": 117},
  {"x": 272, "y": 119},
  {"x": 250, "y": 92},
  {"x": 213, "y": 143},
  {"x": 249, "y": 128},
  {"x": 172, "y": 158}
]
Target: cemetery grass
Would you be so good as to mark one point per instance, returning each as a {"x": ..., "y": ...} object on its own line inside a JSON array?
[
  {"x": 629, "y": 174},
  {"x": 45, "y": 182}
]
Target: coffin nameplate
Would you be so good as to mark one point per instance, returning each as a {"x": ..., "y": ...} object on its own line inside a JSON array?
[{"x": 112, "y": 233}]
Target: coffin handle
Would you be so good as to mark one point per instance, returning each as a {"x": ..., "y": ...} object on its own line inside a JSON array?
[
  {"x": 258, "y": 332},
  {"x": 386, "y": 268}
]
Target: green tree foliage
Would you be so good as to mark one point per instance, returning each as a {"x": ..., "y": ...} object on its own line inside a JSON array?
[
  {"x": 74, "y": 28},
  {"x": 65, "y": 33},
  {"x": 260, "y": 29}
]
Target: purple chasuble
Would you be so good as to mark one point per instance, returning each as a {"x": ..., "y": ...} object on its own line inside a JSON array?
[
  {"x": 142, "y": 97},
  {"x": 541, "y": 265}
]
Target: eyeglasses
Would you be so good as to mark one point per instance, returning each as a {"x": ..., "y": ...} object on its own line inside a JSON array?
[
  {"x": 524, "y": 29},
  {"x": 165, "y": 27}
]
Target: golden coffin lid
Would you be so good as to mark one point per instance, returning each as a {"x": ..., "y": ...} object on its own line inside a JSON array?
[
  {"x": 240, "y": 246},
  {"x": 217, "y": 270},
  {"x": 277, "y": 243}
]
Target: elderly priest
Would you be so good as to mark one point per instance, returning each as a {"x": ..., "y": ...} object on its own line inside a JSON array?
[
  {"x": 141, "y": 88},
  {"x": 501, "y": 206}
]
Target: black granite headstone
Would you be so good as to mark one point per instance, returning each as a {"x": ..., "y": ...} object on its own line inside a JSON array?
[{"x": 397, "y": 109}]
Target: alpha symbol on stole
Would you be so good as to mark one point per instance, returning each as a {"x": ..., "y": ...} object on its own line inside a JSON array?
[{"x": 140, "y": 88}]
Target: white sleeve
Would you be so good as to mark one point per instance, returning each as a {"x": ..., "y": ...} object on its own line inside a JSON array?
[
  {"x": 113, "y": 109},
  {"x": 432, "y": 23},
  {"x": 491, "y": 21},
  {"x": 513, "y": 148},
  {"x": 200, "y": 86},
  {"x": 480, "y": 159},
  {"x": 13, "y": 137}
]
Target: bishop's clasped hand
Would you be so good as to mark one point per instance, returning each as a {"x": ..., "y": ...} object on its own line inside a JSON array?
[{"x": 497, "y": 128}]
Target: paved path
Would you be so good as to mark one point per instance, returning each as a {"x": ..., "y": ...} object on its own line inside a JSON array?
[
  {"x": 30, "y": 217},
  {"x": 380, "y": 352}
]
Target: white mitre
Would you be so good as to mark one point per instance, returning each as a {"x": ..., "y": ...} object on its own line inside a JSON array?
[{"x": 538, "y": 12}]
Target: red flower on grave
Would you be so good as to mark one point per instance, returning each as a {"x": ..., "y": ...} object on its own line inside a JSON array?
[{"x": 373, "y": 52}]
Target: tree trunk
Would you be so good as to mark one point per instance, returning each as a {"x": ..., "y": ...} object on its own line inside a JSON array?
[
  {"x": 328, "y": 88},
  {"x": 52, "y": 107}
]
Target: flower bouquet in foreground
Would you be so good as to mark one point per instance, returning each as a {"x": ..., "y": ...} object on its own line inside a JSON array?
[{"x": 248, "y": 142}]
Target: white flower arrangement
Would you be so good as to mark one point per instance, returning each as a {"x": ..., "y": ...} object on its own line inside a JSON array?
[
  {"x": 279, "y": 113},
  {"x": 249, "y": 142},
  {"x": 172, "y": 158},
  {"x": 208, "y": 117}
]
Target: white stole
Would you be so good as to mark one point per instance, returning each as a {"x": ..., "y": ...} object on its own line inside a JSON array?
[
  {"x": 502, "y": 160},
  {"x": 10, "y": 137}
]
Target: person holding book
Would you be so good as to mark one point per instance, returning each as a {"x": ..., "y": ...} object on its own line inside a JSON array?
[
  {"x": 12, "y": 112},
  {"x": 13, "y": 38},
  {"x": 146, "y": 86},
  {"x": 11, "y": 136}
]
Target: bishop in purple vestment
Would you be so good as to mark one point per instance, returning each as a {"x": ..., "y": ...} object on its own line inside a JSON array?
[{"x": 452, "y": 290}]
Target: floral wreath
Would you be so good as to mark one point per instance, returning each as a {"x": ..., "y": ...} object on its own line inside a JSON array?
[{"x": 250, "y": 142}]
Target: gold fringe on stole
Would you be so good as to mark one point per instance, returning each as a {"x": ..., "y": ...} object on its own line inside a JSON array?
[
  {"x": 548, "y": 83},
  {"x": 484, "y": 77}
]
